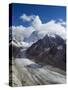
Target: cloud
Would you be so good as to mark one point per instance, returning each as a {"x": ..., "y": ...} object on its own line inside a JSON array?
[
  {"x": 20, "y": 27},
  {"x": 37, "y": 22},
  {"x": 52, "y": 26},
  {"x": 62, "y": 22},
  {"x": 25, "y": 17},
  {"x": 20, "y": 32}
]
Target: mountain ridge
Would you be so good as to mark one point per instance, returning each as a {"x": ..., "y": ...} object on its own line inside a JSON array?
[{"x": 46, "y": 51}]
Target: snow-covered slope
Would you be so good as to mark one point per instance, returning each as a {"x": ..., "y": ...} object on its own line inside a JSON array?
[
  {"x": 37, "y": 35},
  {"x": 27, "y": 72}
]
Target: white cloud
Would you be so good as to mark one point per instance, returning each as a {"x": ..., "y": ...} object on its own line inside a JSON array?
[
  {"x": 53, "y": 26},
  {"x": 37, "y": 23},
  {"x": 25, "y": 17},
  {"x": 62, "y": 22},
  {"x": 50, "y": 27},
  {"x": 20, "y": 27},
  {"x": 21, "y": 32}
]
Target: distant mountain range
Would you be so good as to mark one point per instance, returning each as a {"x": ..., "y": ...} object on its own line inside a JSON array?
[
  {"x": 43, "y": 48},
  {"x": 30, "y": 36}
]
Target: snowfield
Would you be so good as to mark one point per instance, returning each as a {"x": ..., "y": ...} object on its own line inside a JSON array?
[{"x": 26, "y": 73}]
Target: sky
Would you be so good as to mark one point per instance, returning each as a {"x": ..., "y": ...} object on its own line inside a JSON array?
[
  {"x": 46, "y": 13},
  {"x": 26, "y": 18}
]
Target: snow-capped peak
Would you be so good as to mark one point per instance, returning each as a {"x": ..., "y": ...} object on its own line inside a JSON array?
[{"x": 51, "y": 35}]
